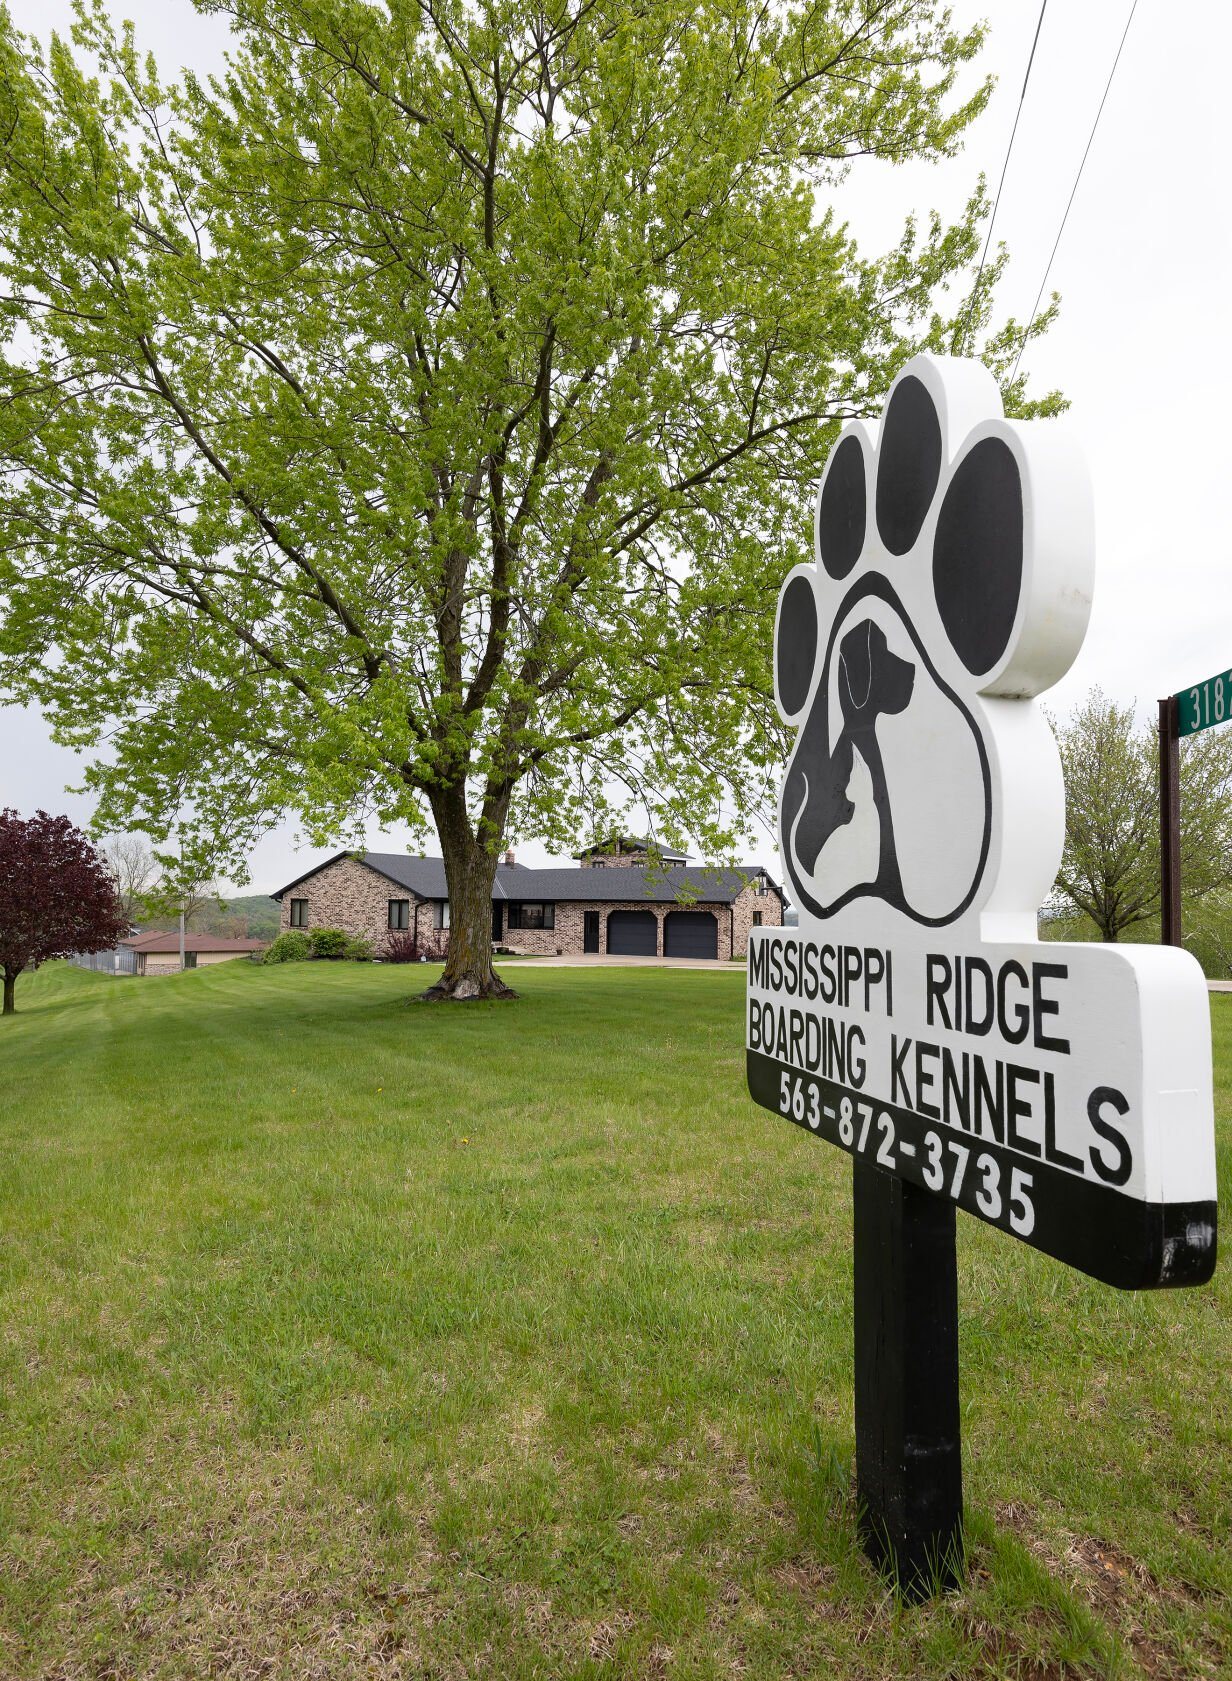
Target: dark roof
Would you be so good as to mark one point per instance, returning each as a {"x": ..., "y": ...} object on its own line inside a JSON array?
[
  {"x": 425, "y": 878},
  {"x": 169, "y": 940}
]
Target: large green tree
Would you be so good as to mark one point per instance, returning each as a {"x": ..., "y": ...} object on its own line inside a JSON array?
[
  {"x": 417, "y": 421},
  {"x": 1110, "y": 871}
]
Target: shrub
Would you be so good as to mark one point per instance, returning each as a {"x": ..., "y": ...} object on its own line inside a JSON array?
[
  {"x": 291, "y": 947},
  {"x": 400, "y": 947},
  {"x": 405, "y": 946},
  {"x": 329, "y": 942},
  {"x": 358, "y": 949}
]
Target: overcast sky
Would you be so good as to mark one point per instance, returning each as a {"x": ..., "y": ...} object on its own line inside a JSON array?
[{"x": 1140, "y": 347}]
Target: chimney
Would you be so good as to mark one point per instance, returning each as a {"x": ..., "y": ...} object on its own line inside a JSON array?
[{"x": 509, "y": 858}]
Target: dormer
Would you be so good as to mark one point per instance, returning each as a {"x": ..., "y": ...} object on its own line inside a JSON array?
[{"x": 629, "y": 851}]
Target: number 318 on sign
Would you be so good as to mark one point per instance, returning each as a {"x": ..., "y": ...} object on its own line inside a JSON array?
[{"x": 1205, "y": 704}]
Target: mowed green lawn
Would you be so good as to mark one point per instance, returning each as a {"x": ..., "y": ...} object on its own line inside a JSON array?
[{"x": 343, "y": 1338}]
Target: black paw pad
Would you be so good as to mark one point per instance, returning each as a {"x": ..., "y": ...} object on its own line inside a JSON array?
[
  {"x": 908, "y": 464},
  {"x": 977, "y": 554},
  {"x": 842, "y": 510},
  {"x": 795, "y": 645}
]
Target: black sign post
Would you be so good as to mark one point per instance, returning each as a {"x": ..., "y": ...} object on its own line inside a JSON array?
[
  {"x": 908, "y": 1441},
  {"x": 1170, "y": 821}
]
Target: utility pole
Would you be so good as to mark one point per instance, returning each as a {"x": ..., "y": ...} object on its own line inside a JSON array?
[{"x": 181, "y": 939}]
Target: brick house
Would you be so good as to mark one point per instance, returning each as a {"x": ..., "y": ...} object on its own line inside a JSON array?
[{"x": 616, "y": 902}]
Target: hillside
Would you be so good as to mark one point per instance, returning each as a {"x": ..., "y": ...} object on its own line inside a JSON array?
[{"x": 253, "y": 916}]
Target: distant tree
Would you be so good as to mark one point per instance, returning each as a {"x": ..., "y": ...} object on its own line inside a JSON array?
[
  {"x": 419, "y": 419},
  {"x": 262, "y": 915},
  {"x": 135, "y": 870},
  {"x": 253, "y": 917},
  {"x": 181, "y": 889},
  {"x": 1208, "y": 933},
  {"x": 1110, "y": 871},
  {"x": 195, "y": 899},
  {"x": 57, "y": 896}
]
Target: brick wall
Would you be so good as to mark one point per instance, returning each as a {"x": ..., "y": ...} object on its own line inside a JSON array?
[
  {"x": 743, "y": 911},
  {"x": 734, "y": 922},
  {"x": 568, "y": 936},
  {"x": 347, "y": 894},
  {"x": 616, "y": 861}
]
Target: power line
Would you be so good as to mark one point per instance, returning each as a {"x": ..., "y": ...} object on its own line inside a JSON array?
[
  {"x": 1073, "y": 190},
  {"x": 992, "y": 220}
]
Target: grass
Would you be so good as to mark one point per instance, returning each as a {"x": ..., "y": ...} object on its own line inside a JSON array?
[{"x": 343, "y": 1338}]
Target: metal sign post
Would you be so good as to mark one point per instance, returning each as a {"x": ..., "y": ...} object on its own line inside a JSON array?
[
  {"x": 1061, "y": 1093},
  {"x": 1169, "y": 822}
]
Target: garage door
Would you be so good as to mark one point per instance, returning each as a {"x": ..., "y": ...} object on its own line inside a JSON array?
[
  {"x": 632, "y": 934},
  {"x": 690, "y": 934}
]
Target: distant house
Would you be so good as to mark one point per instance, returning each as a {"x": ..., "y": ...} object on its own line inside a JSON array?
[
  {"x": 623, "y": 850},
  {"x": 159, "y": 953},
  {"x": 624, "y": 899}
]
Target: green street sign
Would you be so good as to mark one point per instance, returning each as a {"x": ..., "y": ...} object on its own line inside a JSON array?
[{"x": 1207, "y": 704}]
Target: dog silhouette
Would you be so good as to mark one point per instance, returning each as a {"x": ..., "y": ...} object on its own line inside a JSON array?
[{"x": 873, "y": 682}]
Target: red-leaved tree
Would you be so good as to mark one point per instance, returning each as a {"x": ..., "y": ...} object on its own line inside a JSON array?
[{"x": 57, "y": 895}]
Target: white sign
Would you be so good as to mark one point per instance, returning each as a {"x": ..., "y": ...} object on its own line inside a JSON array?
[{"x": 1060, "y": 1091}]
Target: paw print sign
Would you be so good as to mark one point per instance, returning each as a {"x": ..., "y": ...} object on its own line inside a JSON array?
[
  {"x": 953, "y": 582},
  {"x": 1059, "y": 1092},
  {"x": 1062, "y": 1092}
]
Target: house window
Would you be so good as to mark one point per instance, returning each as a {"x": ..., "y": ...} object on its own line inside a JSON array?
[
  {"x": 399, "y": 914},
  {"x": 532, "y": 915},
  {"x": 440, "y": 913},
  {"x": 299, "y": 913},
  {"x": 757, "y": 919}
]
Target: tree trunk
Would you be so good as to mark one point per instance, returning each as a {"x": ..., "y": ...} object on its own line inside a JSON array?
[
  {"x": 10, "y": 986},
  {"x": 470, "y": 870}
]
